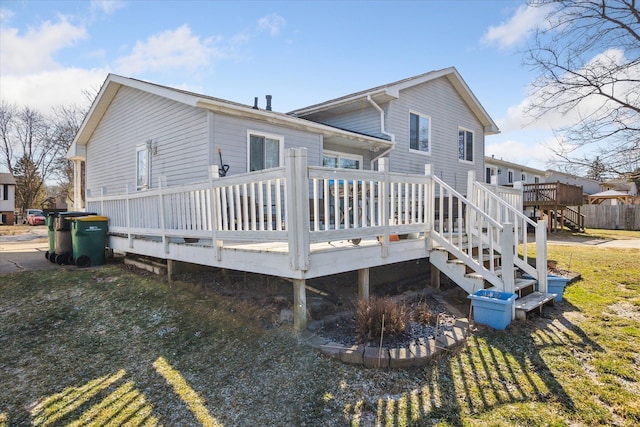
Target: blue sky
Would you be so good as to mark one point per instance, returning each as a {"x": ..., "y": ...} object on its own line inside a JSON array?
[{"x": 300, "y": 52}]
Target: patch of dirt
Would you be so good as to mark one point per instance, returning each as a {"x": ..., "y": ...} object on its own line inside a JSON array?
[
  {"x": 330, "y": 300},
  {"x": 626, "y": 310}
]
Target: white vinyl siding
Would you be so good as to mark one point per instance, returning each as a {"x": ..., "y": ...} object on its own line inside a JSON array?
[
  {"x": 448, "y": 113},
  {"x": 419, "y": 132},
  {"x": 179, "y": 132},
  {"x": 465, "y": 145}
]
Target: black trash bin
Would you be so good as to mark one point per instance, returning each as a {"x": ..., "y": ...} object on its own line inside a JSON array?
[{"x": 63, "y": 246}]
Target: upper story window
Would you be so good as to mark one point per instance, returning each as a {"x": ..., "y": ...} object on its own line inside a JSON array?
[
  {"x": 265, "y": 151},
  {"x": 334, "y": 159},
  {"x": 523, "y": 177},
  {"x": 536, "y": 179},
  {"x": 142, "y": 167},
  {"x": 465, "y": 145},
  {"x": 510, "y": 177},
  {"x": 419, "y": 132}
]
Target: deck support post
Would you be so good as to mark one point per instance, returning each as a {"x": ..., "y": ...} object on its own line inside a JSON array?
[
  {"x": 299, "y": 305},
  {"x": 435, "y": 277},
  {"x": 363, "y": 284}
]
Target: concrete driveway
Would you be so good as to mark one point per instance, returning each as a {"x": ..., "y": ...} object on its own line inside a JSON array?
[{"x": 25, "y": 252}]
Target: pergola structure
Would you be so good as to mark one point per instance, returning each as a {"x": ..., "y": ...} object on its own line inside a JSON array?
[{"x": 618, "y": 196}]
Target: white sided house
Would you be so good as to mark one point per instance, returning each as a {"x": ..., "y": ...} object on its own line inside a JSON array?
[{"x": 370, "y": 179}]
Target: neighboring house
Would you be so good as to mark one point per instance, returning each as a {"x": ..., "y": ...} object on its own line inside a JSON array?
[
  {"x": 589, "y": 186},
  {"x": 507, "y": 173},
  {"x": 622, "y": 184},
  {"x": 367, "y": 180},
  {"x": 7, "y": 198}
]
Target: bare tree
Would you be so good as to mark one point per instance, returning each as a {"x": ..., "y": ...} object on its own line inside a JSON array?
[
  {"x": 587, "y": 56},
  {"x": 28, "y": 151},
  {"x": 65, "y": 124}
]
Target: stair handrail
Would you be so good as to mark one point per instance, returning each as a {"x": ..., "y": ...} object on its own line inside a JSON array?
[
  {"x": 494, "y": 239},
  {"x": 576, "y": 217},
  {"x": 539, "y": 272}
]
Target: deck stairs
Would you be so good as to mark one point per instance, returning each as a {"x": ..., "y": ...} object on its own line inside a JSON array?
[
  {"x": 474, "y": 262},
  {"x": 571, "y": 219}
]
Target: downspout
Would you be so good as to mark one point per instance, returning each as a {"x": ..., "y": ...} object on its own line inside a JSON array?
[{"x": 382, "y": 131}]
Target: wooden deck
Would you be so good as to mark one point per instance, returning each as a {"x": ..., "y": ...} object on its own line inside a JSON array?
[
  {"x": 301, "y": 222},
  {"x": 551, "y": 195}
]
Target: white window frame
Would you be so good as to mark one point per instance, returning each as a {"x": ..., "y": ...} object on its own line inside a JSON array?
[
  {"x": 265, "y": 135},
  {"x": 340, "y": 155},
  {"x": 473, "y": 144},
  {"x": 421, "y": 116},
  {"x": 510, "y": 175},
  {"x": 146, "y": 181}
]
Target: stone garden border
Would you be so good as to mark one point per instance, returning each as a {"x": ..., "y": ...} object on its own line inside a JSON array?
[{"x": 418, "y": 353}]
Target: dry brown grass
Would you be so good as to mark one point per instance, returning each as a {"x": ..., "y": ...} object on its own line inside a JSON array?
[{"x": 380, "y": 315}]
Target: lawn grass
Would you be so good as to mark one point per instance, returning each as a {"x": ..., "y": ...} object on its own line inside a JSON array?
[{"x": 112, "y": 346}]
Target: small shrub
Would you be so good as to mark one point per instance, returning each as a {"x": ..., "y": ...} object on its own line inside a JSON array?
[
  {"x": 369, "y": 318},
  {"x": 423, "y": 314}
]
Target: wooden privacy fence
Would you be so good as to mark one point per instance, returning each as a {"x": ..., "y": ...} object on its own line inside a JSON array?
[{"x": 617, "y": 217}]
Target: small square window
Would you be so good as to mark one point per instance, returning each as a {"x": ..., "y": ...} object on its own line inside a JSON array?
[
  {"x": 264, "y": 152},
  {"x": 419, "y": 132},
  {"x": 142, "y": 167},
  {"x": 465, "y": 145}
]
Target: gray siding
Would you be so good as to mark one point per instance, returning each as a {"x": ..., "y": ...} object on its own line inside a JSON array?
[
  {"x": 364, "y": 120},
  {"x": 440, "y": 101},
  {"x": 179, "y": 131},
  {"x": 230, "y": 135},
  {"x": 182, "y": 135}
]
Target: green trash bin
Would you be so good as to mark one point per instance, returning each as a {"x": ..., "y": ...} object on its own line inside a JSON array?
[
  {"x": 51, "y": 253},
  {"x": 89, "y": 240}
]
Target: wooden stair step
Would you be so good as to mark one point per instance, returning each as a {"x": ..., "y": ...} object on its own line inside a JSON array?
[
  {"x": 523, "y": 284},
  {"x": 531, "y": 302},
  {"x": 497, "y": 272}
]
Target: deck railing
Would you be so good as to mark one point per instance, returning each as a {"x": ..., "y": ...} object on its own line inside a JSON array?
[
  {"x": 300, "y": 205},
  {"x": 503, "y": 212},
  {"x": 552, "y": 194}
]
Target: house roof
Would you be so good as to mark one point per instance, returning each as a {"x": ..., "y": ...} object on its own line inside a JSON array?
[
  {"x": 390, "y": 91},
  {"x": 114, "y": 82},
  {"x": 515, "y": 166},
  {"x": 7, "y": 178}
]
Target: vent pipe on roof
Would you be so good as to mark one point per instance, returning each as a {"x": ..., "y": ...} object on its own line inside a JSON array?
[
  {"x": 255, "y": 103},
  {"x": 268, "y": 102}
]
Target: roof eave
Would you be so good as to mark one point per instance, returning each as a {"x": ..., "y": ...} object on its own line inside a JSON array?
[{"x": 289, "y": 121}]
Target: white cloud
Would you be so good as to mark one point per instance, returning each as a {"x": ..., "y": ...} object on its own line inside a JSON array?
[
  {"x": 519, "y": 150},
  {"x": 5, "y": 14},
  {"x": 107, "y": 7},
  {"x": 272, "y": 23},
  {"x": 177, "y": 48},
  {"x": 589, "y": 106},
  {"x": 46, "y": 89},
  {"x": 33, "y": 51},
  {"x": 517, "y": 28}
]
